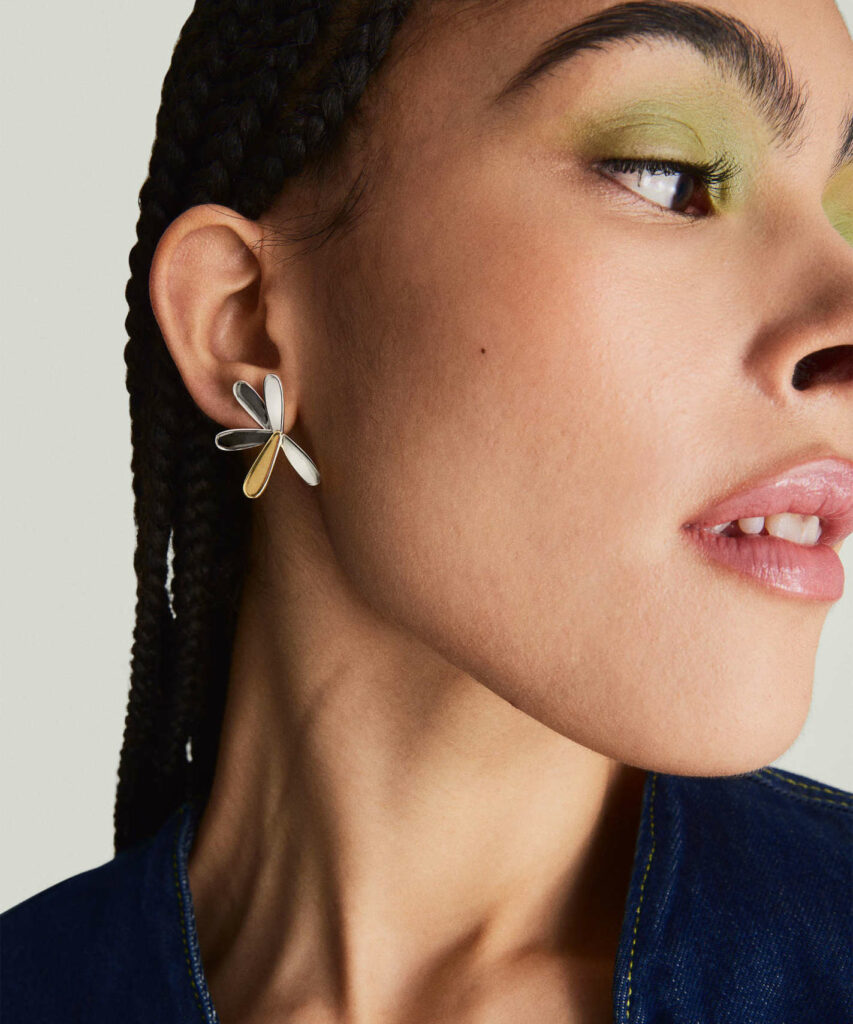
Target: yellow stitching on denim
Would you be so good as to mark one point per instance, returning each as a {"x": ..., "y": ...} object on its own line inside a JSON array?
[
  {"x": 642, "y": 892},
  {"x": 181, "y": 916},
  {"x": 845, "y": 801}
]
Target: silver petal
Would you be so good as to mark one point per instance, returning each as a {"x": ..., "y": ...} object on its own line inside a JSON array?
[
  {"x": 274, "y": 400},
  {"x": 252, "y": 403},
  {"x": 240, "y": 437},
  {"x": 300, "y": 460}
]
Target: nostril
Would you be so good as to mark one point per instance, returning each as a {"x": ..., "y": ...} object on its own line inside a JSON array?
[{"x": 828, "y": 366}]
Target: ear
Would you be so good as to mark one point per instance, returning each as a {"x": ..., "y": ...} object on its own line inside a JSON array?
[{"x": 207, "y": 286}]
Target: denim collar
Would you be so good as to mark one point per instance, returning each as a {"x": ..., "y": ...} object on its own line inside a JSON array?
[{"x": 186, "y": 820}]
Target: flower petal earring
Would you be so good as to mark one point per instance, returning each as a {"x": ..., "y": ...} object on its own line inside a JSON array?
[{"x": 268, "y": 413}]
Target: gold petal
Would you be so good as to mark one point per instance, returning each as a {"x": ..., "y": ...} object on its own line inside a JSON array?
[{"x": 258, "y": 476}]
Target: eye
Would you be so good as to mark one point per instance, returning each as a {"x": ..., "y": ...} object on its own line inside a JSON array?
[{"x": 673, "y": 185}]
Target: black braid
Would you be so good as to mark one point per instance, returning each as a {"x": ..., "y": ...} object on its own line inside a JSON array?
[{"x": 256, "y": 89}]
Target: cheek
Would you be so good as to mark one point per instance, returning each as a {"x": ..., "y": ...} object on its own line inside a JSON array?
[
  {"x": 518, "y": 509},
  {"x": 521, "y": 399}
]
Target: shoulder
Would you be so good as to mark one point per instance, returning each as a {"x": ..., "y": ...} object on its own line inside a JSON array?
[
  {"x": 777, "y": 842},
  {"x": 753, "y": 876},
  {"x": 789, "y": 821},
  {"x": 81, "y": 903},
  {"x": 95, "y": 946}
]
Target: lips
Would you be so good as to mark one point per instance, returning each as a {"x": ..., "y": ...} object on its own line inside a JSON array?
[{"x": 823, "y": 488}]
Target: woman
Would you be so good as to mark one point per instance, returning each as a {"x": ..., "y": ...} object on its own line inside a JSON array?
[{"x": 470, "y": 717}]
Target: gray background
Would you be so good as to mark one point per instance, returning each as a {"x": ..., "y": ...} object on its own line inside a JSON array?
[{"x": 81, "y": 86}]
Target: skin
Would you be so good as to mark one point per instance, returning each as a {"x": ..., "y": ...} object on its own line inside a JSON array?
[{"x": 458, "y": 656}]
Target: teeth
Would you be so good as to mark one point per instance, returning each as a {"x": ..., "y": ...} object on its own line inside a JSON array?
[
  {"x": 785, "y": 525},
  {"x": 720, "y": 528},
  {"x": 789, "y": 526}
]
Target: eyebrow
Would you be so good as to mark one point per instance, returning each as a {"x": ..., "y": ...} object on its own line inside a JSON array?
[{"x": 724, "y": 41}]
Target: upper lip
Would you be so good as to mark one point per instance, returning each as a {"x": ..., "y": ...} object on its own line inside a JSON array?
[{"x": 822, "y": 487}]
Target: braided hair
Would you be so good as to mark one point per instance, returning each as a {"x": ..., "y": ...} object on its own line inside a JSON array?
[{"x": 257, "y": 91}]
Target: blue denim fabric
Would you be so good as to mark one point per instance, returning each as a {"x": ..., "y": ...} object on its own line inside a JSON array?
[{"x": 739, "y": 911}]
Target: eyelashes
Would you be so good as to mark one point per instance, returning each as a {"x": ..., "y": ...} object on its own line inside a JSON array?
[{"x": 714, "y": 177}]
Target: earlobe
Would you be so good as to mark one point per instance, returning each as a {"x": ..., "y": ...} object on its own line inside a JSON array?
[{"x": 204, "y": 287}]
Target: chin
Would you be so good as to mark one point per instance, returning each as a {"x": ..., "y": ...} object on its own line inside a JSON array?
[
  {"x": 705, "y": 728},
  {"x": 724, "y": 744}
]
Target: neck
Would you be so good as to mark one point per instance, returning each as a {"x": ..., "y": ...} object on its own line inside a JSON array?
[{"x": 381, "y": 826}]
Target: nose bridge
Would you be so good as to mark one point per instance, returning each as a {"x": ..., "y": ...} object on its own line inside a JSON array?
[
  {"x": 805, "y": 341},
  {"x": 813, "y": 258},
  {"x": 824, "y": 298}
]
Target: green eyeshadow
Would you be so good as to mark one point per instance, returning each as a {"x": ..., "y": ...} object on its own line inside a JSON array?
[
  {"x": 691, "y": 125},
  {"x": 838, "y": 202}
]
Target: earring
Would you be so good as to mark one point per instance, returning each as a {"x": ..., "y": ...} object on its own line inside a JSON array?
[{"x": 268, "y": 413}]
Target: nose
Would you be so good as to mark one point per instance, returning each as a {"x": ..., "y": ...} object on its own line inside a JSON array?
[{"x": 802, "y": 354}]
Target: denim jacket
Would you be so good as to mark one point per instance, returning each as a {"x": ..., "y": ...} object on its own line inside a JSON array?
[{"x": 739, "y": 911}]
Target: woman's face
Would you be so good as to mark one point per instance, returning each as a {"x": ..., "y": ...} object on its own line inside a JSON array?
[{"x": 525, "y": 376}]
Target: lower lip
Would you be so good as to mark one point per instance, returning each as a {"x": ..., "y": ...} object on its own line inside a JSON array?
[{"x": 809, "y": 572}]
